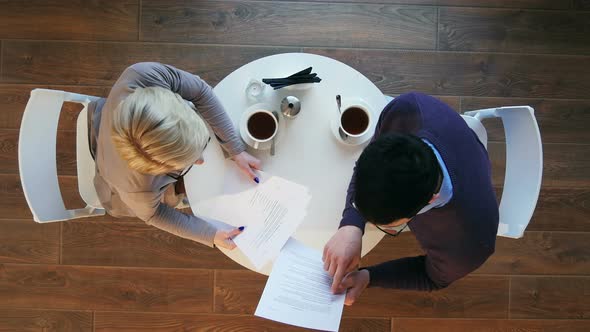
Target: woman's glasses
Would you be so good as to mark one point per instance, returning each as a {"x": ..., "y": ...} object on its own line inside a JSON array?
[{"x": 186, "y": 170}]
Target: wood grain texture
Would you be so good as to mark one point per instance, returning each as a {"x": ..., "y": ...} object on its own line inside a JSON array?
[
  {"x": 564, "y": 165},
  {"x": 535, "y": 253},
  {"x": 238, "y": 291},
  {"x": 468, "y": 74},
  {"x": 60, "y": 19},
  {"x": 127, "y": 322},
  {"x": 14, "y": 98},
  {"x": 23, "y": 320},
  {"x": 488, "y": 325},
  {"x": 541, "y": 253},
  {"x": 562, "y": 210},
  {"x": 581, "y": 4},
  {"x": 550, "y": 297},
  {"x": 560, "y": 121},
  {"x": 14, "y": 206},
  {"x": 25, "y": 241},
  {"x": 289, "y": 24},
  {"x": 88, "y": 63},
  {"x": 538, "y": 4},
  {"x": 511, "y": 30},
  {"x": 470, "y": 297},
  {"x": 65, "y": 154},
  {"x": 135, "y": 244},
  {"x": 102, "y": 288}
]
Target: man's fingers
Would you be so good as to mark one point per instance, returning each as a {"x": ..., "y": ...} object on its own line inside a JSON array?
[{"x": 340, "y": 272}]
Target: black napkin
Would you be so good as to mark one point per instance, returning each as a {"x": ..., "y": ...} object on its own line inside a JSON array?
[{"x": 304, "y": 76}]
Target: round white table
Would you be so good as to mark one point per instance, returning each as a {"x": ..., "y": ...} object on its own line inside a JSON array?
[{"x": 307, "y": 151}]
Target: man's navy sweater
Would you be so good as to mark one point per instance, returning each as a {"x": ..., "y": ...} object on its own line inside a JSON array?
[{"x": 458, "y": 237}]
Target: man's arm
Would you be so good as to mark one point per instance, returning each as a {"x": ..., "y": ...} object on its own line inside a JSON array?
[{"x": 425, "y": 273}]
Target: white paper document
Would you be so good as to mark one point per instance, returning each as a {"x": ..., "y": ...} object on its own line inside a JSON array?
[
  {"x": 271, "y": 212},
  {"x": 298, "y": 291}
]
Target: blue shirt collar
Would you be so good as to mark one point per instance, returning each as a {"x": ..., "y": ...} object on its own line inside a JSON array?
[{"x": 446, "y": 189}]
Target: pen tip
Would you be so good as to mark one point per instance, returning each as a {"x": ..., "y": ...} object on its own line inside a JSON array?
[
  {"x": 241, "y": 228},
  {"x": 256, "y": 180}
]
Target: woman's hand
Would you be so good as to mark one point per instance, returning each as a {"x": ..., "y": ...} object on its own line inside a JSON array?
[
  {"x": 247, "y": 164},
  {"x": 224, "y": 239}
]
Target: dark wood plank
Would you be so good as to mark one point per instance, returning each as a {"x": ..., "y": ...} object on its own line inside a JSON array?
[
  {"x": 299, "y": 24},
  {"x": 541, "y": 253},
  {"x": 468, "y": 74},
  {"x": 564, "y": 165},
  {"x": 510, "y": 30},
  {"x": 66, "y": 152},
  {"x": 565, "y": 209},
  {"x": 488, "y": 325},
  {"x": 560, "y": 121},
  {"x": 14, "y": 98},
  {"x": 239, "y": 292},
  {"x": 122, "y": 322},
  {"x": 62, "y": 19},
  {"x": 135, "y": 244},
  {"x": 470, "y": 297},
  {"x": 14, "y": 206},
  {"x": 101, "y": 288},
  {"x": 538, "y": 4},
  {"x": 45, "y": 320},
  {"x": 25, "y": 241},
  {"x": 550, "y": 297},
  {"x": 581, "y": 4},
  {"x": 87, "y": 63},
  {"x": 535, "y": 253}
]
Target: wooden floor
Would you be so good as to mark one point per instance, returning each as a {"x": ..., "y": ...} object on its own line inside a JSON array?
[{"x": 106, "y": 274}]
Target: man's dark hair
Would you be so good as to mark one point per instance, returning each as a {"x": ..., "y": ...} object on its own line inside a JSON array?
[{"x": 396, "y": 176}]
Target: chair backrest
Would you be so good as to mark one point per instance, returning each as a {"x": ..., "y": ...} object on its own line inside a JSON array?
[
  {"x": 37, "y": 155},
  {"x": 524, "y": 165}
]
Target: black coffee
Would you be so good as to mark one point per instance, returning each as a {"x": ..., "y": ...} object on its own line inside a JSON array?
[
  {"x": 261, "y": 125},
  {"x": 354, "y": 120}
]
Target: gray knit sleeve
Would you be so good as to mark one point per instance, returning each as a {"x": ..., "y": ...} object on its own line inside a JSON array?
[{"x": 148, "y": 207}]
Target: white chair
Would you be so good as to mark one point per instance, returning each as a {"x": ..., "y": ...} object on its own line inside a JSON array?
[
  {"x": 37, "y": 157},
  {"x": 524, "y": 164}
]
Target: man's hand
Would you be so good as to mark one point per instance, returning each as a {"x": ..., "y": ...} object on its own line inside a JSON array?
[
  {"x": 355, "y": 282},
  {"x": 224, "y": 239},
  {"x": 342, "y": 254},
  {"x": 247, "y": 163}
]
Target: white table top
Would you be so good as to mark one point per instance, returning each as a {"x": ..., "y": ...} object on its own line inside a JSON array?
[{"x": 307, "y": 151}]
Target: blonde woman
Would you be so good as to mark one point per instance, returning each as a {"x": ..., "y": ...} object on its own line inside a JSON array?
[{"x": 144, "y": 137}]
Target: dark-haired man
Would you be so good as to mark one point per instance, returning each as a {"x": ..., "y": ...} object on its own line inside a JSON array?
[{"x": 427, "y": 170}]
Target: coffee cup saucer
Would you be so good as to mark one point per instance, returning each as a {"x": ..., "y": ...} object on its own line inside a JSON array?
[
  {"x": 244, "y": 119},
  {"x": 352, "y": 141},
  {"x": 335, "y": 124}
]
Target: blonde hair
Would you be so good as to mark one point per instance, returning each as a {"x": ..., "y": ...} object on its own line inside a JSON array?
[{"x": 156, "y": 132}]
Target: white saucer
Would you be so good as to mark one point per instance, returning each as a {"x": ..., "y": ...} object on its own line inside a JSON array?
[
  {"x": 244, "y": 119},
  {"x": 352, "y": 141}
]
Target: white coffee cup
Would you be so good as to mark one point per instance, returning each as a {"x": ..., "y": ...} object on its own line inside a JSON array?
[
  {"x": 261, "y": 127},
  {"x": 355, "y": 119}
]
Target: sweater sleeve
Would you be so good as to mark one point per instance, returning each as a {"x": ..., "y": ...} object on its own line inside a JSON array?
[
  {"x": 192, "y": 88},
  {"x": 148, "y": 207},
  {"x": 427, "y": 272}
]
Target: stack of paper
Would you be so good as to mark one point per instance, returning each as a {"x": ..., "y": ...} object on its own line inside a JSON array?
[
  {"x": 298, "y": 291},
  {"x": 271, "y": 212}
]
